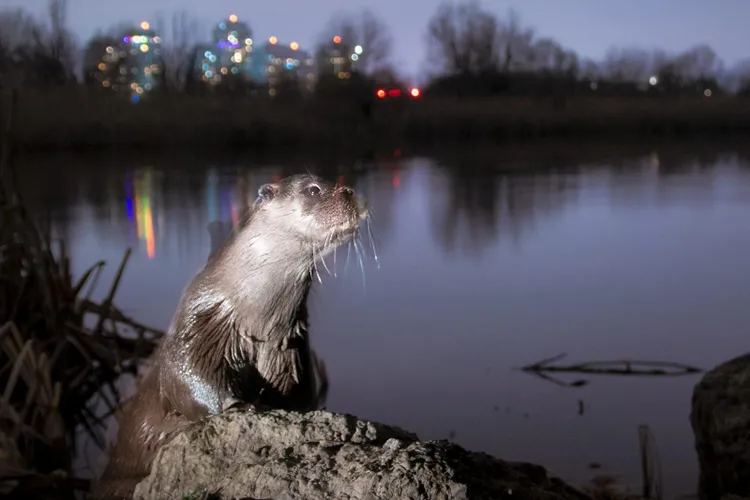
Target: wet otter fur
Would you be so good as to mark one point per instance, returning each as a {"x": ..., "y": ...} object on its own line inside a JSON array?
[{"x": 240, "y": 331}]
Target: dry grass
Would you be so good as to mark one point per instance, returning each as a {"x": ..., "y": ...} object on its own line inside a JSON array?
[
  {"x": 80, "y": 118},
  {"x": 59, "y": 353},
  {"x": 607, "y": 487}
]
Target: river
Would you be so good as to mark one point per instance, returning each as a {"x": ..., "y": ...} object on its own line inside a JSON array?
[{"x": 483, "y": 266}]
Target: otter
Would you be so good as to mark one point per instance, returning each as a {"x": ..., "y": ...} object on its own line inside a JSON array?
[{"x": 239, "y": 335}]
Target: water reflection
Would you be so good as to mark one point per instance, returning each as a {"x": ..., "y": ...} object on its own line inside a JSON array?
[
  {"x": 144, "y": 217},
  {"x": 488, "y": 262},
  {"x": 485, "y": 205}
]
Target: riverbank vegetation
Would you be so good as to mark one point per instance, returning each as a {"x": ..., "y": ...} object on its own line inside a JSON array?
[
  {"x": 60, "y": 352},
  {"x": 75, "y": 118}
]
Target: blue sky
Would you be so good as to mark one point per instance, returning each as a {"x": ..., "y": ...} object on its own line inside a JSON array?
[{"x": 589, "y": 27}]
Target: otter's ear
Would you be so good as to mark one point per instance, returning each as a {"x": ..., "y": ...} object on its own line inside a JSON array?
[{"x": 268, "y": 191}]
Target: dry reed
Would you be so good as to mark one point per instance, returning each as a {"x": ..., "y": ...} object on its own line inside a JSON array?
[{"x": 60, "y": 352}]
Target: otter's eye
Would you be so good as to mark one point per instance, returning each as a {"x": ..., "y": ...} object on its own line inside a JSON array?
[{"x": 313, "y": 190}]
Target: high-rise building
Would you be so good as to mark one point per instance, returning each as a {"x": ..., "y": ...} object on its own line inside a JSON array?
[
  {"x": 144, "y": 65},
  {"x": 276, "y": 64},
  {"x": 339, "y": 57},
  {"x": 102, "y": 61},
  {"x": 131, "y": 64},
  {"x": 229, "y": 53}
]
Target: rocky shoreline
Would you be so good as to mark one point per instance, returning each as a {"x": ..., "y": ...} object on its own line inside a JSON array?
[
  {"x": 321, "y": 455},
  {"x": 316, "y": 455}
]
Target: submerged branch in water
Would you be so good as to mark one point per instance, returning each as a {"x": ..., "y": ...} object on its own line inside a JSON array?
[{"x": 616, "y": 367}]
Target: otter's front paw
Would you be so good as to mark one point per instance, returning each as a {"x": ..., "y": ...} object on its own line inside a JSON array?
[
  {"x": 235, "y": 404},
  {"x": 231, "y": 403}
]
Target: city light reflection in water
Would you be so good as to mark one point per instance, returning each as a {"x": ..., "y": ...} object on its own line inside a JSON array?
[
  {"x": 143, "y": 192},
  {"x": 144, "y": 204}
]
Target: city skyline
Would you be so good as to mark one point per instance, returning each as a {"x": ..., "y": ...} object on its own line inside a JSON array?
[{"x": 587, "y": 27}]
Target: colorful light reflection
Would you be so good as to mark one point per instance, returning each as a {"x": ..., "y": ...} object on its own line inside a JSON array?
[
  {"x": 148, "y": 220},
  {"x": 138, "y": 207},
  {"x": 140, "y": 202},
  {"x": 129, "y": 208}
]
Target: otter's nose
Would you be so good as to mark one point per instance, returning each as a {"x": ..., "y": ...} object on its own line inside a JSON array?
[{"x": 349, "y": 192}]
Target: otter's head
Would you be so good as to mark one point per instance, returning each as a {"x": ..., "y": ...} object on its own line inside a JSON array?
[{"x": 318, "y": 213}]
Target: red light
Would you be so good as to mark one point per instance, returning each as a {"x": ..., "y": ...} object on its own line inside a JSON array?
[
  {"x": 394, "y": 92},
  {"x": 415, "y": 92},
  {"x": 380, "y": 93},
  {"x": 337, "y": 39}
]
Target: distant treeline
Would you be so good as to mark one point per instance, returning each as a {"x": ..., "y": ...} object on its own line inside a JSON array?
[
  {"x": 493, "y": 80},
  {"x": 471, "y": 52}
]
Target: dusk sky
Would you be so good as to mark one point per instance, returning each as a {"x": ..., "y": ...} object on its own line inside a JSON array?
[{"x": 588, "y": 27}]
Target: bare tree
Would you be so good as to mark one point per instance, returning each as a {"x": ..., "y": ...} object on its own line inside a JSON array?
[
  {"x": 515, "y": 43},
  {"x": 635, "y": 65},
  {"x": 17, "y": 59},
  {"x": 627, "y": 65},
  {"x": 698, "y": 63},
  {"x": 589, "y": 69},
  {"x": 463, "y": 39},
  {"x": 105, "y": 62},
  {"x": 548, "y": 55},
  {"x": 544, "y": 54},
  {"x": 62, "y": 46},
  {"x": 32, "y": 53},
  {"x": 367, "y": 30},
  {"x": 738, "y": 77},
  {"x": 15, "y": 24},
  {"x": 178, "y": 49}
]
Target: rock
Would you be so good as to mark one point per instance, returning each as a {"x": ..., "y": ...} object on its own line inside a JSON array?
[
  {"x": 720, "y": 418},
  {"x": 320, "y": 455}
]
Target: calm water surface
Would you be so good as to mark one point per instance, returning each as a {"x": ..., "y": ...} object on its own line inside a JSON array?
[{"x": 482, "y": 270}]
